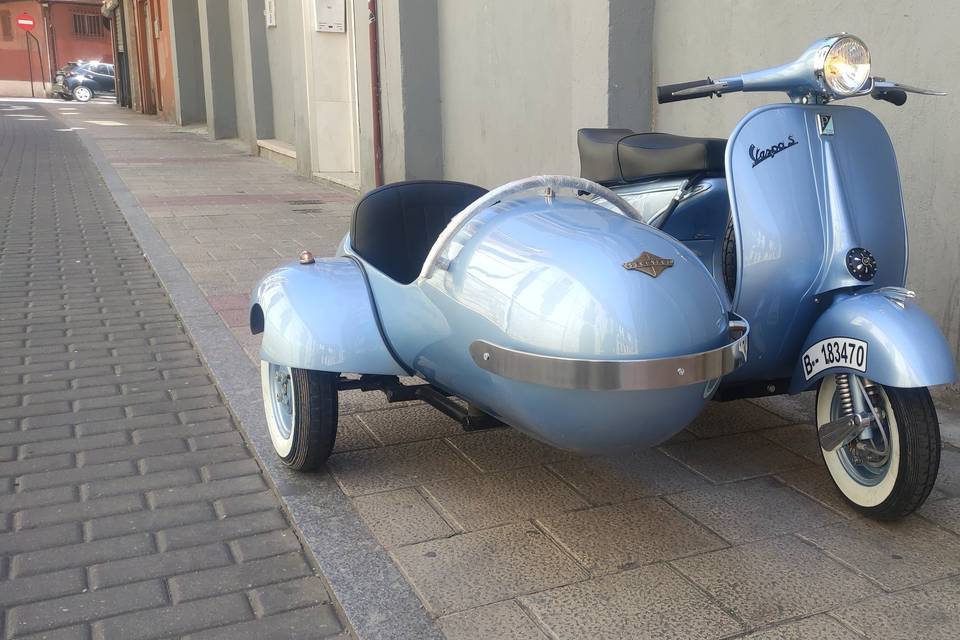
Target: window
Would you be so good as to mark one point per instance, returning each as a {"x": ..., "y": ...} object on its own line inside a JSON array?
[
  {"x": 6, "y": 27},
  {"x": 87, "y": 25}
]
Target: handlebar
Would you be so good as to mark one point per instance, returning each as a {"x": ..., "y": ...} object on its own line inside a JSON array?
[{"x": 667, "y": 93}]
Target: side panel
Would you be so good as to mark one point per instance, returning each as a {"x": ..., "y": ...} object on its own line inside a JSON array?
[
  {"x": 321, "y": 317},
  {"x": 905, "y": 348},
  {"x": 801, "y": 199}
]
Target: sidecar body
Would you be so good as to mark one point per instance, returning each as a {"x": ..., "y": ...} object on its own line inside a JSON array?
[{"x": 574, "y": 323}]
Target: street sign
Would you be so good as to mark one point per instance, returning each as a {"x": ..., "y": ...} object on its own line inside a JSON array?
[{"x": 26, "y": 22}]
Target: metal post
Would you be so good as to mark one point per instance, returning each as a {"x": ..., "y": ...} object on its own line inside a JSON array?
[
  {"x": 26, "y": 40},
  {"x": 375, "y": 93}
]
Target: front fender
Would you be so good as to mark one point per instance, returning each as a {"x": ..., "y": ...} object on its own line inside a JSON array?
[
  {"x": 905, "y": 347},
  {"x": 320, "y": 316}
]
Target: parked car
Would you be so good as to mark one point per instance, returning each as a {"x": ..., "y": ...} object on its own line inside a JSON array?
[{"x": 84, "y": 80}]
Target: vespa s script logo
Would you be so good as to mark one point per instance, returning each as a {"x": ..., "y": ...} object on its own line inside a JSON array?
[{"x": 759, "y": 155}]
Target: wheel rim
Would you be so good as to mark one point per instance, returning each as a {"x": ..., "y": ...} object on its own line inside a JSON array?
[
  {"x": 82, "y": 93},
  {"x": 865, "y": 485},
  {"x": 864, "y": 465},
  {"x": 282, "y": 399}
]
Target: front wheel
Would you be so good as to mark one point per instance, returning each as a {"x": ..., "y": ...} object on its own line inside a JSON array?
[
  {"x": 301, "y": 411},
  {"x": 888, "y": 469}
]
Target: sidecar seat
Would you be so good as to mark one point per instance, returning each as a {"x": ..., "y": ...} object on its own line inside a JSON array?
[
  {"x": 394, "y": 226},
  {"x": 616, "y": 156}
]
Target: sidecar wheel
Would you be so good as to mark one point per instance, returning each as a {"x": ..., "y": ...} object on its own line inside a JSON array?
[
  {"x": 893, "y": 484},
  {"x": 301, "y": 410}
]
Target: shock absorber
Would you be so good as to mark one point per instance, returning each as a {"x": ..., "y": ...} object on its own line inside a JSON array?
[{"x": 844, "y": 394}]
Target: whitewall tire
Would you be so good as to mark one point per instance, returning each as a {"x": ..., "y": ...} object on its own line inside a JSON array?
[{"x": 300, "y": 407}]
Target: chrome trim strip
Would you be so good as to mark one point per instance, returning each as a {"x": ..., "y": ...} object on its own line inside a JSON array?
[{"x": 615, "y": 375}]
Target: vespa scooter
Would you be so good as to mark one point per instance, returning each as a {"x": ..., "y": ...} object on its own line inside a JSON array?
[{"x": 799, "y": 216}]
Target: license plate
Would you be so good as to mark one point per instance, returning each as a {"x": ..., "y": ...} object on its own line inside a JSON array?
[{"x": 834, "y": 352}]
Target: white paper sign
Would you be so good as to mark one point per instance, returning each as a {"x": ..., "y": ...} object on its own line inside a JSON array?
[{"x": 331, "y": 15}]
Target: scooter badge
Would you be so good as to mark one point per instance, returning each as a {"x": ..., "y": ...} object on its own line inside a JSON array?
[
  {"x": 825, "y": 124},
  {"x": 648, "y": 263}
]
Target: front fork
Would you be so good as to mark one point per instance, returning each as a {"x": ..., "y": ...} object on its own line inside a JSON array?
[{"x": 861, "y": 415}]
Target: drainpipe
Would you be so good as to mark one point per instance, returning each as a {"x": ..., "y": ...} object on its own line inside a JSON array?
[{"x": 375, "y": 93}]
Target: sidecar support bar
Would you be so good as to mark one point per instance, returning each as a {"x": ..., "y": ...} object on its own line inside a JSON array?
[
  {"x": 470, "y": 418},
  {"x": 613, "y": 375}
]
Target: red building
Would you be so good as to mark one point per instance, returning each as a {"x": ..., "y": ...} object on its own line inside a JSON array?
[{"x": 66, "y": 30}]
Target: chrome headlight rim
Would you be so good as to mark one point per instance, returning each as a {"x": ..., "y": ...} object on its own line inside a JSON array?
[{"x": 831, "y": 82}]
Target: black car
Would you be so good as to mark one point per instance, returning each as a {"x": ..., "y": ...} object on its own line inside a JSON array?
[{"x": 83, "y": 80}]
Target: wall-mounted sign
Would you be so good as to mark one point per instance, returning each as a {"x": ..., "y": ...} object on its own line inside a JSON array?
[
  {"x": 26, "y": 22},
  {"x": 331, "y": 15}
]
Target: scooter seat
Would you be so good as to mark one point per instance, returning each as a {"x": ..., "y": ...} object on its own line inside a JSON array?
[
  {"x": 616, "y": 156},
  {"x": 394, "y": 226}
]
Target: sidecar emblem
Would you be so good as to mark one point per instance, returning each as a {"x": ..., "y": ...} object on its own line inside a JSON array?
[
  {"x": 759, "y": 155},
  {"x": 649, "y": 264},
  {"x": 825, "y": 124}
]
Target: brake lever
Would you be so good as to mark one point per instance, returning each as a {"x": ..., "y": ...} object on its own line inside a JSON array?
[{"x": 883, "y": 84}]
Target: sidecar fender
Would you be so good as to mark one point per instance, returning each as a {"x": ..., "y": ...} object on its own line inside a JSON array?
[
  {"x": 903, "y": 345},
  {"x": 320, "y": 316}
]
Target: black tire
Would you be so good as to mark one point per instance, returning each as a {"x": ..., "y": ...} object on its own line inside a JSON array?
[
  {"x": 82, "y": 90},
  {"x": 918, "y": 434},
  {"x": 314, "y": 429},
  {"x": 730, "y": 259}
]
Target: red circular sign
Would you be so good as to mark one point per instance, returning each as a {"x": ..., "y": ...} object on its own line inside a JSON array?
[{"x": 26, "y": 22}]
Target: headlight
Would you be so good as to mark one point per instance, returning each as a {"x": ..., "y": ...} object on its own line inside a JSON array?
[{"x": 846, "y": 67}]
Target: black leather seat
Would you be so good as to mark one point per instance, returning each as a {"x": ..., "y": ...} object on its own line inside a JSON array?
[
  {"x": 394, "y": 226},
  {"x": 612, "y": 156}
]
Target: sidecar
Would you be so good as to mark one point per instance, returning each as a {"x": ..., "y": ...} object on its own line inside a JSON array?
[{"x": 529, "y": 306}]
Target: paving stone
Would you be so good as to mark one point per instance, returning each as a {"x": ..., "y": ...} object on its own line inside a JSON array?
[
  {"x": 485, "y": 501},
  {"x": 388, "y": 468},
  {"x": 174, "y": 621},
  {"x": 159, "y": 565},
  {"x": 774, "y": 580},
  {"x": 642, "y": 473},
  {"x": 199, "y": 584},
  {"x": 136, "y": 484},
  {"x": 247, "y": 503},
  {"x": 609, "y": 608},
  {"x": 815, "y": 482},
  {"x": 503, "y": 620},
  {"x": 735, "y": 457},
  {"x": 930, "y": 611},
  {"x": 351, "y": 435},
  {"x": 752, "y": 509},
  {"x": 401, "y": 517},
  {"x": 819, "y": 627},
  {"x": 795, "y": 409},
  {"x": 37, "y": 465},
  {"x": 897, "y": 554},
  {"x": 226, "y": 529},
  {"x": 233, "y": 469},
  {"x": 948, "y": 480},
  {"x": 946, "y": 513},
  {"x": 499, "y": 449},
  {"x": 76, "y": 476},
  {"x": 264, "y": 545},
  {"x": 78, "y": 555},
  {"x": 206, "y": 491},
  {"x": 42, "y": 587},
  {"x": 725, "y": 418},
  {"x": 35, "y": 435},
  {"x": 409, "y": 424},
  {"x": 38, "y": 498},
  {"x": 287, "y": 596},
  {"x": 502, "y": 563},
  {"x": 801, "y": 439},
  {"x": 88, "y": 509},
  {"x": 193, "y": 459},
  {"x": 49, "y": 614},
  {"x": 147, "y": 520},
  {"x": 618, "y": 537},
  {"x": 302, "y": 623},
  {"x": 36, "y": 539},
  {"x": 133, "y": 452}
]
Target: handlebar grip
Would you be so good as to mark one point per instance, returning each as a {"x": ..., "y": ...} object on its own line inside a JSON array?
[
  {"x": 665, "y": 92},
  {"x": 893, "y": 96}
]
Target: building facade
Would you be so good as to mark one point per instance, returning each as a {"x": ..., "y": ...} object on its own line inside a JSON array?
[
  {"x": 486, "y": 91},
  {"x": 64, "y": 31}
]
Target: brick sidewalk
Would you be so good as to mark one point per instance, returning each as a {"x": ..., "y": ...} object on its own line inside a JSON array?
[
  {"x": 130, "y": 506},
  {"x": 731, "y": 530}
]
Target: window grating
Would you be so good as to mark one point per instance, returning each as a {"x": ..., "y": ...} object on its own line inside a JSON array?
[{"x": 87, "y": 25}]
